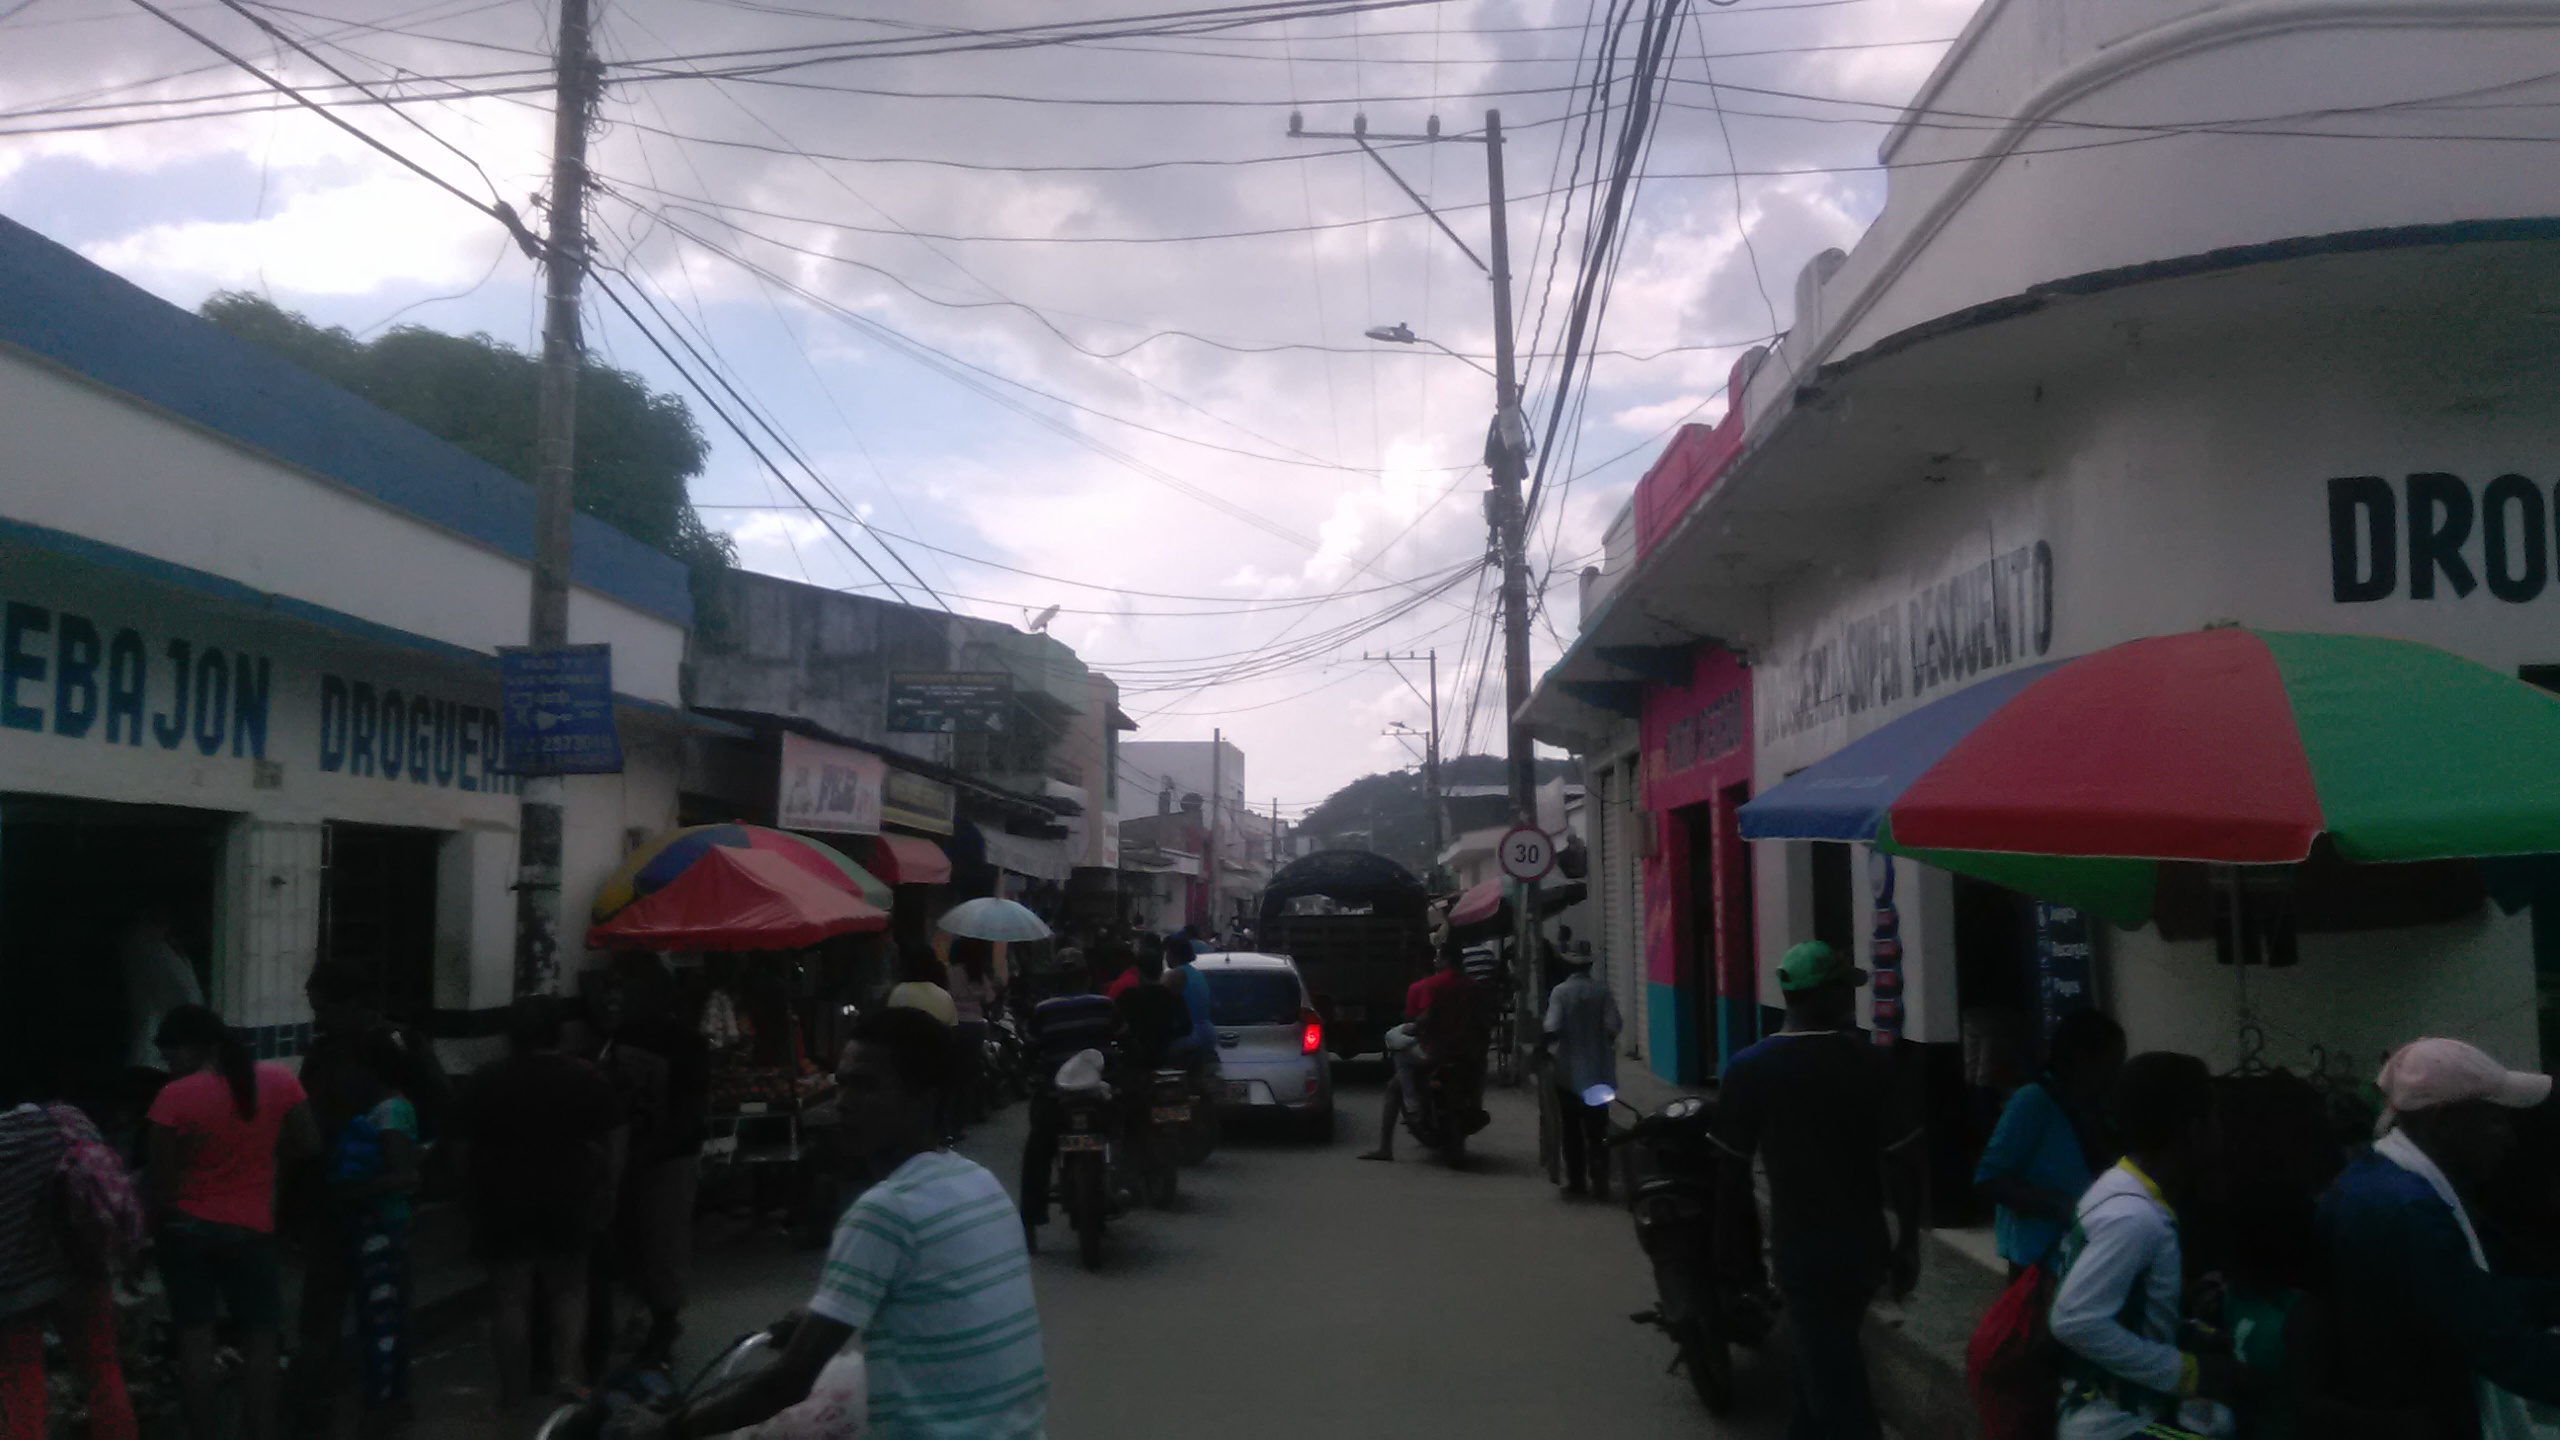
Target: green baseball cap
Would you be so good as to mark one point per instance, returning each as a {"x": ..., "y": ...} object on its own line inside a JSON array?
[{"x": 1814, "y": 964}]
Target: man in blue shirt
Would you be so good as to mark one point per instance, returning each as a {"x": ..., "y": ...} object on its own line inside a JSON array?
[
  {"x": 2048, "y": 1145},
  {"x": 2419, "y": 1321}
]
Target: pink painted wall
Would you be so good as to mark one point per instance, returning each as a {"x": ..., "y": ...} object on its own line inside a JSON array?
[
  {"x": 1690, "y": 466},
  {"x": 1696, "y": 744}
]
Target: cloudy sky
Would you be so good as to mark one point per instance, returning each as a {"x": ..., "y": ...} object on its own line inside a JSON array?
[{"x": 1073, "y": 325}]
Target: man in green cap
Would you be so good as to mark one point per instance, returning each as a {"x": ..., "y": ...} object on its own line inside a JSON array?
[{"x": 1820, "y": 1104}]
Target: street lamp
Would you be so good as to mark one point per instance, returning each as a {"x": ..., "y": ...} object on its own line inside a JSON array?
[{"x": 1402, "y": 334}]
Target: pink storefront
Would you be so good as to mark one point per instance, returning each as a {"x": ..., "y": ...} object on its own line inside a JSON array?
[{"x": 1701, "y": 979}]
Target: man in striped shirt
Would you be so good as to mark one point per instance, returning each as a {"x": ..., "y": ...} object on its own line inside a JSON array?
[{"x": 928, "y": 1270}]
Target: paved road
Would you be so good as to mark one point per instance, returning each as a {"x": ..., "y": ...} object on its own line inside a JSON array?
[{"x": 1295, "y": 1292}]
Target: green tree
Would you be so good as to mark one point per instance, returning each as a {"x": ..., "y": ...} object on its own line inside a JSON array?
[{"x": 637, "y": 447}]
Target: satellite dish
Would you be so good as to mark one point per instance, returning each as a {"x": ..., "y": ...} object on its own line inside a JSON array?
[{"x": 1040, "y": 622}]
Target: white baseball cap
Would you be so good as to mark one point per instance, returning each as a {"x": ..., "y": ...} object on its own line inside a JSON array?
[{"x": 2426, "y": 1073}]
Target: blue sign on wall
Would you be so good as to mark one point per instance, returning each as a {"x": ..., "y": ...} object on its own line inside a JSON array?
[{"x": 559, "y": 711}]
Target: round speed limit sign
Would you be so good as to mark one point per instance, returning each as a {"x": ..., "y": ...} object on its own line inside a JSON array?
[{"x": 1527, "y": 853}]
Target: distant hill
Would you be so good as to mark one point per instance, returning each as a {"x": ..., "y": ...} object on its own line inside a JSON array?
[{"x": 1386, "y": 812}]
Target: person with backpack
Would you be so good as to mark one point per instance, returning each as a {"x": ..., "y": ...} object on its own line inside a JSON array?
[
  {"x": 2118, "y": 1300},
  {"x": 216, "y": 1134},
  {"x": 2051, "y": 1140},
  {"x": 60, "y": 1184},
  {"x": 347, "y": 1020}
]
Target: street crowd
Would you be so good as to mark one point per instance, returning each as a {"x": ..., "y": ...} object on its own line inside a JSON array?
[{"x": 2153, "y": 1290}]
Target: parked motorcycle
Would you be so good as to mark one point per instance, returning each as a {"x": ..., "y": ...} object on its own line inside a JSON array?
[
  {"x": 1673, "y": 1194},
  {"x": 1085, "y": 1152}
]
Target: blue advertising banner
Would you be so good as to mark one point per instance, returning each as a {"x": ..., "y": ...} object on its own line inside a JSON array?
[{"x": 559, "y": 711}]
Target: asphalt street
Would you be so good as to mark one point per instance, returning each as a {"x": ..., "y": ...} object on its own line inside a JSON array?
[{"x": 1293, "y": 1291}]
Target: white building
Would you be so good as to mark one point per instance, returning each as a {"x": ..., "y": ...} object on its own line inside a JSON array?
[
  {"x": 248, "y": 677},
  {"x": 2242, "y": 312}
]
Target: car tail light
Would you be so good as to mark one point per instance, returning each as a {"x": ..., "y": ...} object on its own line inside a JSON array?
[{"x": 1310, "y": 1032}]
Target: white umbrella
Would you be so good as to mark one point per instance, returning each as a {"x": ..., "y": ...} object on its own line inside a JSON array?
[{"x": 989, "y": 918}]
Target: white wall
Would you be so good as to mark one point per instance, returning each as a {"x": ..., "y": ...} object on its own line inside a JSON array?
[
  {"x": 94, "y": 463},
  {"x": 2077, "y": 72},
  {"x": 2188, "y": 489}
]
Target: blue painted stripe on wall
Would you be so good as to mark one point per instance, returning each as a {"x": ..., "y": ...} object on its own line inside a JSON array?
[
  {"x": 205, "y": 582},
  {"x": 1740, "y": 1024},
  {"x": 87, "y": 319}
]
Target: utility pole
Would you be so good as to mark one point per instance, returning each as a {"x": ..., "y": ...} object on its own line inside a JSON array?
[
  {"x": 1430, "y": 748},
  {"x": 542, "y": 820},
  {"x": 1506, "y": 454},
  {"x": 1217, "y": 787}
]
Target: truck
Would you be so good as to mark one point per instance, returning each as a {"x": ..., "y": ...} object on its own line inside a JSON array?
[{"x": 1359, "y": 927}]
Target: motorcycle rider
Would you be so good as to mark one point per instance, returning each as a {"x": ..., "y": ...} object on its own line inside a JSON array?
[
  {"x": 1151, "y": 1015},
  {"x": 1442, "y": 1009},
  {"x": 1073, "y": 1020}
]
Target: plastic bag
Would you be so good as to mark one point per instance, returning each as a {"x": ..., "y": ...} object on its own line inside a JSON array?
[{"x": 835, "y": 1409}]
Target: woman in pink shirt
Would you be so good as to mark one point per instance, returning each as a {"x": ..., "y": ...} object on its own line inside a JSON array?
[{"x": 216, "y": 1133}]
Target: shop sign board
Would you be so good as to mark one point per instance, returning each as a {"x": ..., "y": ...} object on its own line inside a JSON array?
[
  {"x": 829, "y": 789},
  {"x": 81, "y": 679},
  {"x": 558, "y": 704},
  {"x": 1941, "y": 636},
  {"x": 2066, "y": 970},
  {"x": 969, "y": 703},
  {"x": 914, "y": 802}
]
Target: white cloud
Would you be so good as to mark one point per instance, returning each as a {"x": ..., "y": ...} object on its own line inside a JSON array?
[{"x": 970, "y": 475}]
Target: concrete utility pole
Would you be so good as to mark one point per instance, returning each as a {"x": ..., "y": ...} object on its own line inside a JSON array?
[
  {"x": 1506, "y": 454},
  {"x": 543, "y": 817}
]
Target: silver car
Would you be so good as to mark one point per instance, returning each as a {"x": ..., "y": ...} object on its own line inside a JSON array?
[{"x": 1270, "y": 1039}]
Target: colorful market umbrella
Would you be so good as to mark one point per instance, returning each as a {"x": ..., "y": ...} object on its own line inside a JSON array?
[
  {"x": 991, "y": 918},
  {"x": 656, "y": 865},
  {"x": 734, "y": 898},
  {"x": 2073, "y": 780}
]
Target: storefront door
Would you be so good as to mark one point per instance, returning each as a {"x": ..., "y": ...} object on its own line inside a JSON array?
[
  {"x": 79, "y": 882},
  {"x": 378, "y": 910}
]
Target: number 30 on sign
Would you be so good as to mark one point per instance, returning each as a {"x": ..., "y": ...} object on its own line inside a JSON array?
[{"x": 1527, "y": 853}]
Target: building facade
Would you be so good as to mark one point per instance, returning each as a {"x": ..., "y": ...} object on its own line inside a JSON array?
[
  {"x": 2061, "y": 394},
  {"x": 970, "y": 735},
  {"x": 248, "y": 681}
]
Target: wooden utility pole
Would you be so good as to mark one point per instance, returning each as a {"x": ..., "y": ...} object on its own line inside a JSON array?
[{"x": 543, "y": 817}]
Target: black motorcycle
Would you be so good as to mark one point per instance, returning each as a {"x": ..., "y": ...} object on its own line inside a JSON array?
[
  {"x": 1672, "y": 1190},
  {"x": 1085, "y": 1160},
  {"x": 1446, "y": 1112},
  {"x": 1157, "y": 1133}
]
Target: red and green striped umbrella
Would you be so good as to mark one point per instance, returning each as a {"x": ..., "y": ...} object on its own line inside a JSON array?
[
  {"x": 656, "y": 864},
  {"x": 2073, "y": 780}
]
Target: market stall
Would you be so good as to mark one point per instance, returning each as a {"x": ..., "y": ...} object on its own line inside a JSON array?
[{"x": 756, "y": 904}]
